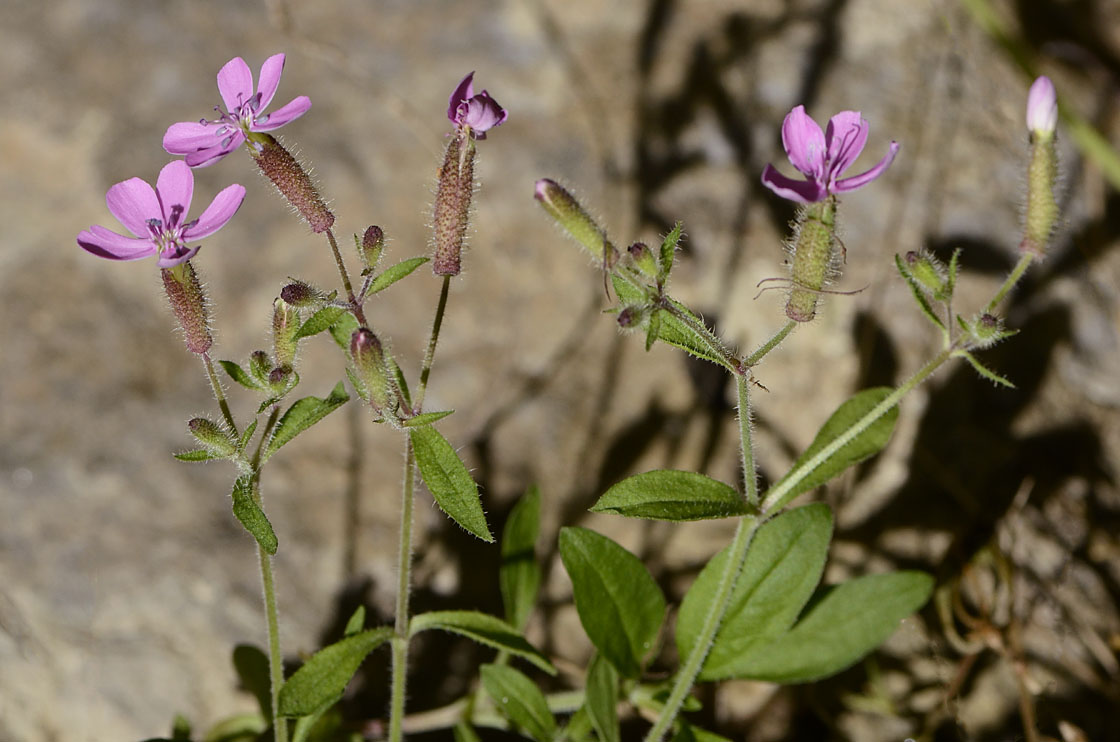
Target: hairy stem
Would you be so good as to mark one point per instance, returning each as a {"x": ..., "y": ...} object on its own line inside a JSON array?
[
  {"x": 219, "y": 394},
  {"x": 355, "y": 305},
  {"x": 1012, "y": 279}
]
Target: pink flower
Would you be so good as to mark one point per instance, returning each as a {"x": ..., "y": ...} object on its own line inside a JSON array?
[
  {"x": 475, "y": 113},
  {"x": 205, "y": 142},
  {"x": 1042, "y": 107},
  {"x": 158, "y": 218},
  {"x": 823, "y": 156}
]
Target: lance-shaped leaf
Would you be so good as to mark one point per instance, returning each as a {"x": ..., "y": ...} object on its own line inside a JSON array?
[
  {"x": 302, "y": 415},
  {"x": 391, "y": 275},
  {"x": 247, "y": 510},
  {"x": 520, "y": 574},
  {"x": 425, "y": 418},
  {"x": 807, "y": 472},
  {"x": 783, "y": 567},
  {"x": 844, "y": 624},
  {"x": 449, "y": 481},
  {"x": 667, "y": 252},
  {"x": 342, "y": 329},
  {"x": 240, "y": 375},
  {"x": 251, "y": 665},
  {"x": 490, "y": 631},
  {"x": 602, "y": 699},
  {"x": 198, "y": 454},
  {"x": 520, "y": 701},
  {"x": 667, "y": 494},
  {"x": 619, "y": 604},
  {"x": 321, "y": 320},
  {"x": 323, "y": 678}
]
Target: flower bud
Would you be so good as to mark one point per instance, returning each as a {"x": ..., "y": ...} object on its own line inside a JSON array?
[
  {"x": 189, "y": 303},
  {"x": 643, "y": 259},
  {"x": 260, "y": 365},
  {"x": 1042, "y": 108},
  {"x": 285, "y": 327},
  {"x": 631, "y": 316},
  {"x": 813, "y": 257},
  {"x": 291, "y": 180},
  {"x": 1042, "y": 173},
  {"x": 929, "y": 273},
  {"x": 567, "y": 212},
  {"x": 368, "y": 357},
  {"x": 985, "y": 330},
  {"x": 302, "y": 295},
  {"x": 213, "y": 437},
  {"x": 281, "y": 378},
  {"x": 371, "y": 246},
  {"x": 453, "y": 205}
]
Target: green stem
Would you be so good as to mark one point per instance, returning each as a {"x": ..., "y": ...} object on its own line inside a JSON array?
[
  {"x": 404, "y": 556},
  {"x": 750, "y": 475},
  {"x": 686, "y": 676},
  {"x": 219, "y": 394},
  {"x": 785, "y": 489},
  {"x": 275, "y": 659},
  {"x": 1012, "y": 279},
  {"x": 355, "y": 305},
  {"x": 769, "y": 345},
  {"x": 729, "y": 360}
]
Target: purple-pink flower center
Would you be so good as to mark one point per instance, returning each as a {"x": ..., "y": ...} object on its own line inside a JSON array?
[{"x": 240, "y": 118}]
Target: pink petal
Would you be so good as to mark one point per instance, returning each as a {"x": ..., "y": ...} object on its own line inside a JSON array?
[
  {"x": 171, "y": 260},
  {"x": 269, "y": 80},
  {"x": 287, "y": 113},
  {"x": 859, "y": 181},
  {"x": 803, "y": 141},
  {"x": 801, "y": 191},
  {"x": 189, "y": 136},
  {"x": 846, "y": 136},
  {"x": 133, "y": 203},
  {"x": 105, "y": 243},
  {"x": 235, "y": 83},
  {"x": 220, "y": 211},
  {"x": 210, "y": 155},
  {"x": 174, "y": 189},
  {"x": 463, "y": 91},
  {"x": 484, "y": 113},
  {"x": 1042, "y": 106}
]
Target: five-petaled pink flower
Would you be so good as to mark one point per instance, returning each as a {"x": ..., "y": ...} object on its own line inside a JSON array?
[
  {"x": 823, "y": 156},
  {"x": 476, "y": 113},
  {"x": 205, "y": 142},
  {"x": 158, "y": 218}
]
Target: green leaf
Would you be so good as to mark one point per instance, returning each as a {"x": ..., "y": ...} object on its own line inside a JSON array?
[
  {"x": 198, "y": 454},
  {"x": 619, "y": 604},
  {"x": 783, "y": 566},
  {"x": 805, "y": 475},
  {"x": 845, "y": 624},
  {"x": 391, "y": 275},
  {"x": 686, "y": 732},
  {"x": 464, "y": 732},
  {"x": 342, "y": 329},
  {"x": 667, "y": 494},
  {"x": 302, "y": 415},
  {"x": 519, "y": 575},
  {"x": 321, "y": 320},
  {"x": 357, "y": 621},
  {"x": 425, "y": 418},
  {"x": 246, "y": 436},
  {"x": 323, "y": 678},
  {"x": 919, "y": 294},
  {"x": 654, "y": 328},
  {"x": 983, "y": 370},
  {"x": 490, "y": 631},
  {"x": 449, "y": 481},
  {"x": 519, "y": 700},
  {"x": 668, "y": 251},
  {"x": 248, "y": 511},
  {"x": 251, "y": 665},
  {"x": 602, "y": 699},
  {"x": 239, "y": 375},
  {"x": 954, "y": 264},
  {"x": 402, "y": 383}
]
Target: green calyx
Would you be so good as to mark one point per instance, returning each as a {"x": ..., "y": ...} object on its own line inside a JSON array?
[{"x": 813, "y": 256}]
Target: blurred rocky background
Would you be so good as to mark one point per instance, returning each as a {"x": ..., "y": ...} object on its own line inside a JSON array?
[{"x": 124, "y": 580}]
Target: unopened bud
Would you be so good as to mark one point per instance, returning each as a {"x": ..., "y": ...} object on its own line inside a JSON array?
[
  {"x": 929, "y": 273},
  {"x": 453, "y": 205},
  {"x": 293, "y": 182},
  {"x": 280, "y": 378},
  {"x": 643, "y": 259},
  {"x": 371, "y": 246},
  {"x": 285, "y": 327},
  {"x": 813, "y": 257},
  {"x": 368, "y": 357},
  {"x": 212, "y": 436},
  {"x": 567, "y": 212},
  {"x": 985, "y": 330},
  {"x": 631, "y": 316},
  {"x": 189, "y": 303},
  {"x": 1042, "y": 207},
  {"x": 302, "y": 295}
]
